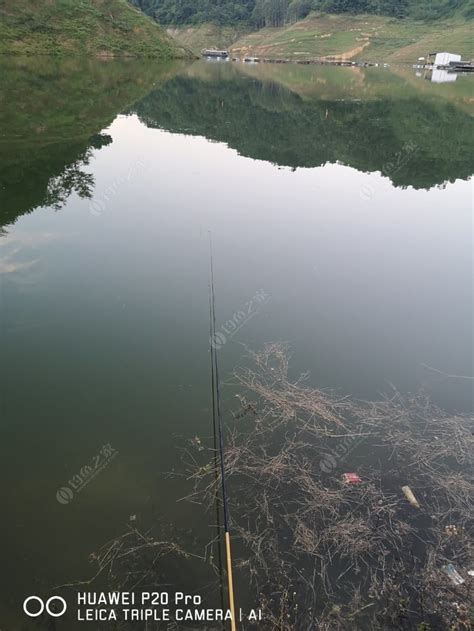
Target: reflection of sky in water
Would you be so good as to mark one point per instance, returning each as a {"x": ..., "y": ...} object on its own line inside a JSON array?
[
  {"x": 14, "y": 245},
  {"x": 358, "y": 270}
]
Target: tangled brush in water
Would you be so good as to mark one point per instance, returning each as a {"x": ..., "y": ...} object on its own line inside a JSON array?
[{"x": 329, "y": 555}]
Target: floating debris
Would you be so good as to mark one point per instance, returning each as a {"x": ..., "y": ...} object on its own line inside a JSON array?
[
  {"x": 410, "y": 496},
  {"x": 453, "y": 574},
  {"x": 196, "y": 441},
  {"x": 451, "y": 530},
  {"x": 351, "y": 478}
]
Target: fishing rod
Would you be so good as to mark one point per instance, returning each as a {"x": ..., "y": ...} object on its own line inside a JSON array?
[
  {"x": 218, "y": 430},
  {"x": 220, "y": 564}
]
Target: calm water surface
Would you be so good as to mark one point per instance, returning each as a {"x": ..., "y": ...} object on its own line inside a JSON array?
[{"x": 339, "y": 202}]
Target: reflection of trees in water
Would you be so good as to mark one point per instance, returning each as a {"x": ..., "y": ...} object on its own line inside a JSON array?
[
  {"x": 48, "y": 140},
  {"x": 412, "y": 141},
  {"x": 73, "y": 179},
  {"x": 47, "y": 176},
  {"x": 419, "y": 142},
  {"x": 272, "y": 97}
]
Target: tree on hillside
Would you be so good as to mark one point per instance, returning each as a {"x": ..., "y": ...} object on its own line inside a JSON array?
[
  {"x": 298, "y": 10},
  {"x": 271, "y": 12},
  {"x": 279, "y": 12}
]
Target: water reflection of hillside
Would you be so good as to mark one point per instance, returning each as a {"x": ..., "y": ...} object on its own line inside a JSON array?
[
  {"x": 322, "y": 82},
  {"x": 52, "y": 114},
  {"x": 409, "y": 136}
]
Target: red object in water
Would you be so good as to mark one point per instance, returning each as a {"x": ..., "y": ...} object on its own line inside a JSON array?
[{"x": 351, "y": 478}]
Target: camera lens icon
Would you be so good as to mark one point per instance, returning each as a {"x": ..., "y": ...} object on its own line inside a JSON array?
[{"x": 34, "y": 606}]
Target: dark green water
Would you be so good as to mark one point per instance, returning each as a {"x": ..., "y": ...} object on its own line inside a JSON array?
[{"x": 340, "y": 206}]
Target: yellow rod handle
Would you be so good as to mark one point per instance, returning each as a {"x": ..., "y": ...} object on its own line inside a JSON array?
[{"x": 230, "y": 579}]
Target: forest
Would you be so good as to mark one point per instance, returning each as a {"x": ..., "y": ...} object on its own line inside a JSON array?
[{"x": 260, "y": 13}]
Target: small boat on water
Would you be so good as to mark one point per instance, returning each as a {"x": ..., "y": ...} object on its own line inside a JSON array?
[
  {"x": 447, "y": 61},
  {"x": 462, "y": 66},
  {"x": 215, "y": 54}
]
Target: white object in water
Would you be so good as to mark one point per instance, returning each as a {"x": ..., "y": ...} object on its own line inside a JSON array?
[
  {"x": 410, "y": 496},
  {"x": 453, "y": 574}
]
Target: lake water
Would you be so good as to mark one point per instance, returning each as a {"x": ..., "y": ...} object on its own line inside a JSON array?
[{"x": 339, "y": 204}]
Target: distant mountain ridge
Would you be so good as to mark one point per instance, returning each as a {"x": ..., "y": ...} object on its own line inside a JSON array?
[{"x": 97, "y": 27}]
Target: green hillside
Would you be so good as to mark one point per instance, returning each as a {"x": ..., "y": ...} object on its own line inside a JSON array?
[
  {"x": 319, "y": 36},
  {"x": 207, "y": 35},
  {"x": 371, "y": 30},
  {"x": 94, "y": 27},
  {"x": 367, "y": 37}
]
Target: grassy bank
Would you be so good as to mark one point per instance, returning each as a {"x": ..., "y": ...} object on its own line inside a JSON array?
[
  {"x": 207, "y": 35},
  {"x": 357, "y": 37},
  {"x": 97, "y": 27}
]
